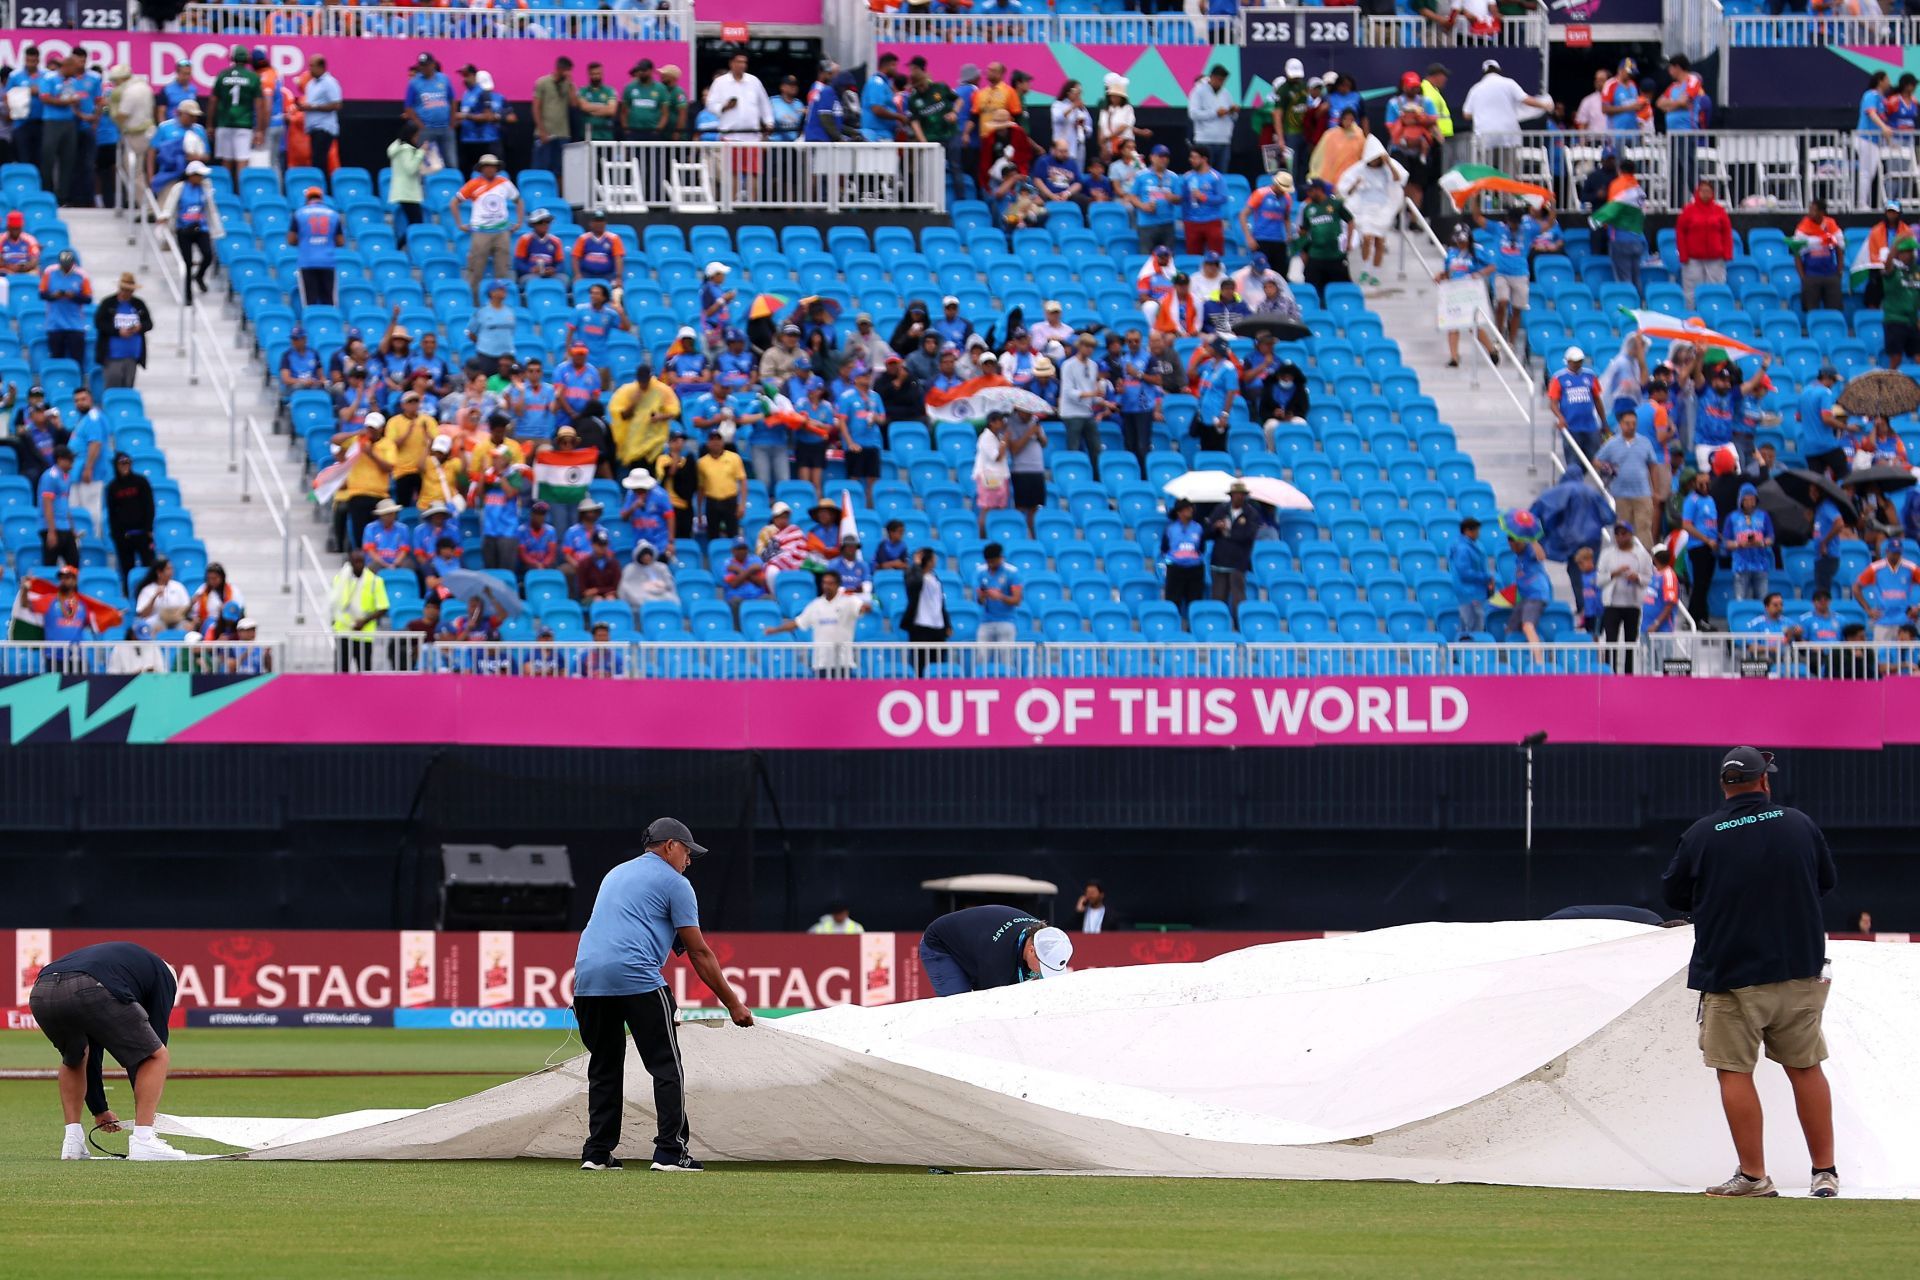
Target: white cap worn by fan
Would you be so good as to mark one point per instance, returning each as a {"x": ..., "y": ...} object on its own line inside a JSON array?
[
  {"x": 1574, "y": 355},
  {"x": 1054, "y": 950}
]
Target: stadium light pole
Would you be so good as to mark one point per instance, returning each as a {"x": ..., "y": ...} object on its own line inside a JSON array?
[{"x": 1527, "y": 744}]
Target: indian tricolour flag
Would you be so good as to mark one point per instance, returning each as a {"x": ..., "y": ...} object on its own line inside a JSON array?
[
  {"x": 1465, "y": 181},
  {"x": 563, "y": 475}
]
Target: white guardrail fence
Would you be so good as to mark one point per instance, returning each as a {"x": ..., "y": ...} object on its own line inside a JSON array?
[
  {"x": 1674, "y": 656},
  {"x": 721, "y": 177},
  {"x": 344, "y": 22},
  {"x": 1775, "y": 171},
  {"x": 1307, "y": 27}
]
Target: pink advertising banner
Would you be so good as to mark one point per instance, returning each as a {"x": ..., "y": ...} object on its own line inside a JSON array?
[
  {"x": 368, "y": 70},
  {"x": 881, "y": 714},
  {"x": 1156, "y": 75}
]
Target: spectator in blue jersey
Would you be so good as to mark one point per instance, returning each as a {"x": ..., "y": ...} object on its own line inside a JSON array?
[
  {"x": 862, "y": 417},
  {"x": 539, "y": 253},
  {"x": 1823, "y": 424},
  {"x": 429, "y": 104},
  {"x": 598, "y": 253},
  {"x": 825, "y": 118},
  {"x": 193, "y": 212},
  {"x": 954, "y": 329},
  {"x": 649, "y": 509},
  {"x": 1573, "y": 395},
  {"x": 26, "y": 128},
  {"x": 60, "y": 543},
  {"x": 1140, "y": 395},
  {"x": 1512, "y": 252},
  {"x": 743, "y": 577},
  {"x": 534, "y": 402},
  {"x": 736, "y": 358},
  {"x": 1584, "y": 573},
  {"x": 300, "y": 368},
  {"x": 1183, "y": 547},
  {"x": 789, "y": 111},
  {"x": 578, "y": 380},
  {"x": 1719, "y": 408},
  {"x": 121, "y": 324},
  {"x": 1889, "y": 591},
  {"x": 855, "y": 570},
  {"x": 1829, "y": 522},
  {"x": 1059, "y": 177},
  {"x": 176, "y": 143},
  {"x": 386, "y": 541},
  {"x": 593, "y": 324},
  {"x": 1820, "y": 624},
  {"x": 576, "y": 544},
  {"x": 318, "y": 233},
  {"x": 68, "y": 293},
  {"x": 479, "y": 116},
  {"x": 1532, "y": 592},
  {"x": 892, "y": 551},
  {"x": 1749, "y": 539},
  {"x": 89, "y": 88},
  {"x": 491, "y": 327},
  {"x": 58, "y": 91},
  {"x": 1464, "y": 260},
  {"x": 1700, "y": 521},
  {"x": 1155, "y": 196},
  {"x": 1472, "y": 576},
  {"x": 539, "y": 542},
  {"x": 1203, "y": 204},
  {"x": 436, "y": 552},
  {"x": 998, "y": 591}
]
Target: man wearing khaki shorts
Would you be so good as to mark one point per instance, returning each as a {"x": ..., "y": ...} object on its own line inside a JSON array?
[{"x": 1752, "y": 874}]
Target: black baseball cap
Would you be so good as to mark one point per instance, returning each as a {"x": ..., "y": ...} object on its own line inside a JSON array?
[
  {"x": 662, "y": 830},
  {"x": 1744, "y": 764}
]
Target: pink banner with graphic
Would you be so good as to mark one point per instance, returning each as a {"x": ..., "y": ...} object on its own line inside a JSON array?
[
  {"x": 881, "y": 714},
  {"x": 1156, "y": 75},
  {"x": 367, "y": 69}
]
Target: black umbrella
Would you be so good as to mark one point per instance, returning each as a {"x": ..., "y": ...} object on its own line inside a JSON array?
[
  {"x": 1879, "y": 479},
  {"x": 1808, "y": 487},
  {"x": 1792, "y": 523},
  {"x": 1279, "y": 326},
  {"x": 1881, "y": 393}
]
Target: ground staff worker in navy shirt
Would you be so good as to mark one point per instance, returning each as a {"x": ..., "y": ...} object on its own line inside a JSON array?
[
  {"x": 645, "y": 912},
  {"x": 112, "y": 997},
  {"x": 1752, "y": 873},
  {"x": 984, "y": 947}
]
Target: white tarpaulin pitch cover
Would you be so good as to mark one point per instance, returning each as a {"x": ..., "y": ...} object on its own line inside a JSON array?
[{"x": 1544, "y": 1053}]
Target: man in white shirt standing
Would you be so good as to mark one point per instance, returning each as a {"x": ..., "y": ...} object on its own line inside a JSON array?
[
  {"x": 745, "y": 113},
  {"x": 1494, "y": 107},
  {"x": 1092, "y": 908},
  {"x": 1623, "y": 573},
  {"x": 831, "y": 616},
  {"x": 1590, "y": 116},
  {"x": 1081, "y": 391}
]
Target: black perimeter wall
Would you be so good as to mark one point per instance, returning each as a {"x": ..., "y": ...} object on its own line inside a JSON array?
[{"x": 1329, "y": 838}]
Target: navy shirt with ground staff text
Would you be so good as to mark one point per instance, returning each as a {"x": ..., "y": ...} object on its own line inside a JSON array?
[
  {"x": 1752, "y": 874},
  {"x": 985, "y": 942}
]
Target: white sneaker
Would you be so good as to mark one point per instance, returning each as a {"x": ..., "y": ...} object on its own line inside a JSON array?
[
  {"x": 155, "y": 1148},
  {"x": 74, "y": 1149}
]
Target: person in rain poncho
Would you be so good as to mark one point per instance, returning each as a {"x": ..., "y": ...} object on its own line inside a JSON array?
[{"x": 1374, "y": 189}]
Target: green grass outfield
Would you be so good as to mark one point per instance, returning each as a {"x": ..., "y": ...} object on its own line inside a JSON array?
[{"x": 484, "y": 1219}]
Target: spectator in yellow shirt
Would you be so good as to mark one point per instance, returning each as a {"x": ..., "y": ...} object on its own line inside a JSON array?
[
  {"x": 410, "y": 432},
  {"x": 723, "y": 480},
  {"x": 369, "y": 459},
  {"x": 440, "y": 476},
  {"x": 640, "y": 413},
  {"x": 484, "y": 449}
]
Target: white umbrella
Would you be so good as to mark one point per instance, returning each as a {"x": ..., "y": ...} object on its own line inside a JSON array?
[{"x": 1212, "y": 486}]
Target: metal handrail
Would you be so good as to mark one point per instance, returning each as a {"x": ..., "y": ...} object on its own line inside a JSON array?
[
  {"x": 258, "y": 465},
  {"x": 315, "y": 599},
  {"x": 1527, "y": 404},
  {"x": 1531, "y": 406}
]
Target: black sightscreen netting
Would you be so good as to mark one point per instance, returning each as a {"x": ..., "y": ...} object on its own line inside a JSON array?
[{"x": 597, "y": 803}]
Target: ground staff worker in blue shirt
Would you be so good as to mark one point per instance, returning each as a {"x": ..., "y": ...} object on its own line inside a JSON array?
[
  {"x": 984, "y": 947},
  {"x": 1752, "y": 873},
  {"x": 645, "y": 912}
]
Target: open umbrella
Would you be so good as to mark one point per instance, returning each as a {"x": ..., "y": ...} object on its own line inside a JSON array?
[
  {"x": 802, "y": 307},
  {"x": 1792, "y": 522},
  {"x": 1882, "y": 393},
  {"x": 1281, "y": 327},
  {"x": 1213, "y": 486},
  {"x": 1808, "y": 487},
  {"x": 467, "y": 584},
  {"x": 1879, "y": 479},
  {"x": 766, "y": 305}
]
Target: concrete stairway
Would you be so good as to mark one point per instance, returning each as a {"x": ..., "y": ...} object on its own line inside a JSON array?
[{"x": 190, "y": 423}]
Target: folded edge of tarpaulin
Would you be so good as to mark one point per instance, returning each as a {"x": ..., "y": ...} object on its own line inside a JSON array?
[{"x": 257, "y": 1132}]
